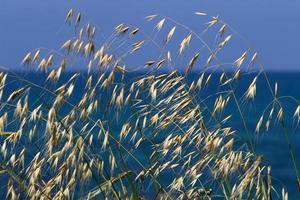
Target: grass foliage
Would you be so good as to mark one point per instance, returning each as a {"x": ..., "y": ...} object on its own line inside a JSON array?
[{"x": 102, "y": 133}]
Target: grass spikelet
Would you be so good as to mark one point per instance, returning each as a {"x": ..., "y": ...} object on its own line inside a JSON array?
[
  {"x": 208, "y": 80},
  {"x": 160, "y": 24},
  {"x": 27, "y": 59},
  {"x": 253, "y": 59},
  {"x": 15, "y": 94},
  {"x": 150, "y": 17},
  {"x": 36, "y": 56},
  {"x": 251, "y": 91},
  {"x": 135, "y": 31},
  {"x": 192, "y": 63},
  {"x": 153, "y": 92},
  {"x": 276, "y": 90},
  {"x": 284, "y": 194},
  {"x": 149, "y": 63},
  {"x": 297, "y": 114},
  {"x": 185, "y": 43},
  {"x": 258, "y": 125},
  {"x": 170, "y": 35},
  {"x": 209, "y": 60},
  {"x": 78, "y": 19},
  {"x": 199, "y": 82},
  {"x": 169, "y": 56},
  {"x": 200, "y": 14},
  {"x": 136, "y": 46},
  {"x": 67, "y": 45},
  {"x": 49, "y": 61},
  {"x": 212, "y": 22},
  {"x": 240, "y": 60},
  {"x": 43, "y": 65},
  {"x": 122, "y": 29},
  {"x": 69, "y": 16},
  {"x": 160, "y": 63},
  {"x": 226, "y": 40},
  {"x": 222, "y": 29},
  {"x": 280, "y": 114}
]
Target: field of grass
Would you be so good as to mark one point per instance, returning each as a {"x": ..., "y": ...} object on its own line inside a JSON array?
[{"x": 101, "y": 132}]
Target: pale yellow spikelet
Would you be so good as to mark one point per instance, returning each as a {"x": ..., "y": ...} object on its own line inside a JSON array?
[
  {"x": 200, "y": 80},
  {"x": 136, "y": 46},
  {"x": 128, "y": 99},
  {"x": 52, "y": 76},
  {"x": 208, "y": 80},
  {"x": 69, "y": 15},
  {"x": 93, "y": 32},
  {"x": 280, "y": 114},
  {"x": 153, "y": 92},
  {"x": 284, "y": 194},
  {"x": 43, "y": 65},
  {"x": 200, "y": 14},
  {"x": 297, "y": 113},
  {"x": 120, "y": 26},
  {"x": 119, "y": 99},
  {"x": 149, "y": 63},
  {"x": 36, "y": 56},
  {"x": 121, "y": 69},
  {"x": 33, "y": 115},
  {"x": 105, "y": 141},
  {"x": 154, "y": 119},
  {"x": 27, "y": 59},
  {"x": 212, "y": 22},
  {"x": 78, "y": 18},
  {"x": 269, "y": 183},
  {"x": 4, "y": 149},
  {"x": 223, "y": 29},
  {"x": 268, "y": 125},
  {"x": 123, "y": 29},
  {"x": 18, "y": 109},
  {"x": 209, "y": 60},
  {"x": 259, "y": 123},
  {"x": 88, "y": 29},
  {"x": 135, "y": 31},
  {"x": 192, "y": 63},
  {"x": 50, "y": 61},
  {"x": 185, "y": 43},
  {"x": 238, "y": 62},
  {"x": 237, "y": 74},
  {"x": 124, "y": 131},
  {"x": 67, "y": 45},
  {"x": 251, "y": 91},
  {"x": 63, "y": 64},
  {"x": 169, "y": 56},
  {"x": 170, "y": 35},
  {"x": 80, "y": 47},
  {"x": 253, "y": 59},
  {"x": 70, "y": 90},
  {"x": 80, "y": 34},
  {"x": 15, "y": 94},
  {"x": 89, "y": 82},
  {"x": 160, "y": 63},
  {"x": 275, "y": 89},
  {"x": 226, "y": 40},
  {"x": 150, "y": 17}
]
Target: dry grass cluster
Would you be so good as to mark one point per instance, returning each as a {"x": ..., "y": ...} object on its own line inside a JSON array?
[{"x": 104, "y": 133}]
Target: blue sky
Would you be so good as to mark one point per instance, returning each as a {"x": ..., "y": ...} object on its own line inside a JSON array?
[{"x": 270, "y": 26}]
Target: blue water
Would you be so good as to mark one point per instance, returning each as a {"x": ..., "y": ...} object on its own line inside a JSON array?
[{"x": 272, "y": 144}]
